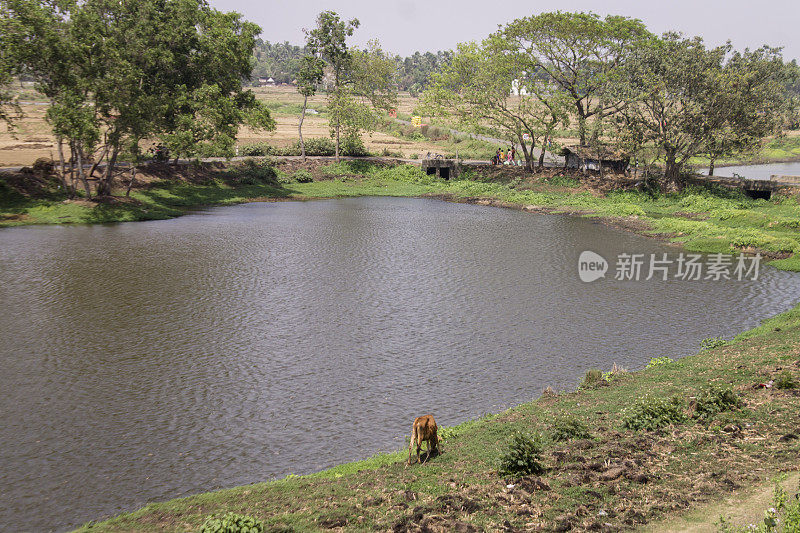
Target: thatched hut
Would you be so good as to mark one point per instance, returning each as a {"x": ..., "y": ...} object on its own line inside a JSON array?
[{"x": 595, "y": 158}]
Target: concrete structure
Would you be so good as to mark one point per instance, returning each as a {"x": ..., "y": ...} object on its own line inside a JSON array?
[{"x": 442, "y": 168}]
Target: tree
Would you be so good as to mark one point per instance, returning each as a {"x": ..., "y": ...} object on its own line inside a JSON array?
[
  {"x": 119, "y": 72},
  {"x": 792, "y": 86},
  {"x": 581, "y": 54},
  {"x": 748, "y": 104},
  {"x": 308, "y": 78},
  {"x": 9, "y": 67},
  {"x": 475, "y": 87},
  {"x": 329, "y": 42},
  {"x": 686, "y": 100},
  {"x": 363, "y": 80}
]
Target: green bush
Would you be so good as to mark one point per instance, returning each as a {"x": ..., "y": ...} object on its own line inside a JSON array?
[
  {"x": 252, "y": 172},
  {"x": 303, "y": 176},
  {"x": 523, "y": 456},
  {"x": 714, "y": 399},
  {"x": 712, "y": 342},
  {"x": 232, "y": 523},
  {"x": 658, "y": 361},
  {"x": 785, "y": 381},
  {"x": 257, "y": 149},
  {"x": 321, "y": 146},
  {"x": 649, "y": 412},
  {"x": 353, "y": 146},
  {"x": 569, "y": 427}
]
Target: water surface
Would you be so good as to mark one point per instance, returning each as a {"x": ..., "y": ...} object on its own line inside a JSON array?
[
  {"x": 151, "y": 360},
  {"x": 758, "y": 172}
]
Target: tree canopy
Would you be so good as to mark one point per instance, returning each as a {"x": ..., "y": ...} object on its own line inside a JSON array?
[{"x": 120, "y": 72}]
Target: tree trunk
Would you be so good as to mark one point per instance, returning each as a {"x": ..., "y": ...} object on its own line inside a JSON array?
[
  {"x": 543, "y": 152},
  {"x": 527, "y": 154},
  {"x": 81, "y": 174},
  {"x": 300, "y": 127},
  {"x": 96, "y": 163},
  {"x": 105, "y": 184},
  {"x": 62, "y": 170},
  {"x": 711, "y": 166},
  {"x": 130, "y": 183},
  {"x": 337, "y": 140},
  {"x": 581, "y": 123},
  {"x": 672, "y": 182}
]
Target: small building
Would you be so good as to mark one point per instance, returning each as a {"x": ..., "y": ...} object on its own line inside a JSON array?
[
  {"x": 445, "y": 169},
  {"x": 270, "y": 82},
  {"x": 593, "y": 158}
]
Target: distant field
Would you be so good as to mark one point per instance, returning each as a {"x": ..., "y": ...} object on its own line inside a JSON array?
[{"x": 32, "y": 138}]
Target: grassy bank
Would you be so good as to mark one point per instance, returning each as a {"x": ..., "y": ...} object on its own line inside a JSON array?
[
  {"x": 701, "y": 219},
  {"x": 599, "y": 474},
  {"x": 704, "y": 219}
]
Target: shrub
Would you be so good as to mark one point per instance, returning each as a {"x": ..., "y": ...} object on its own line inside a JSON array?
[
  {"x": 785, "y": 381},
  {"x": 303, "y": 176},
  {"x": 414, "y": 156},
  {"x": 658, "y": 361},
  {"x": 714, "y": 399},
  {"x": 257, "y": 149},
  {"x": 43, "y": 166},
  {"x": 523, "y": 456},
  {"x": 391, "y": 153},
  {"x": 317, "y": 146},
  {"x": 232, "y": 523},
  {"x": 569, "y": 427},
  {"x": 712, "y": 342},
  {"x": 649, "y": 412},
  {"x": 592, "y": 379},
  {"x": 353, "y": 146},
  {"x": 252, "y": 172}
]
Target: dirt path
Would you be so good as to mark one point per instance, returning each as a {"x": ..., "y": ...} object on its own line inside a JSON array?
[{"x": 740, "y": 509}]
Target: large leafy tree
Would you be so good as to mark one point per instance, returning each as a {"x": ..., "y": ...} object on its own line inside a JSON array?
[
  {"x": 119, "y": 72},
  {"x": 746, "y": 103},
  {"x": 685, "y": 100},
  {"x": 474, "y": 89},
  {"x": 581, "y": 54}
]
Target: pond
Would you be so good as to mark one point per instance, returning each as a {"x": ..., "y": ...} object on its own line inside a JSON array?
[
  {"x": 758, "y": 172},
  {"x": 151, "y": 360}
]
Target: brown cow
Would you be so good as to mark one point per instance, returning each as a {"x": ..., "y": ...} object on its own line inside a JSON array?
[{"x": 424, "y": 430}]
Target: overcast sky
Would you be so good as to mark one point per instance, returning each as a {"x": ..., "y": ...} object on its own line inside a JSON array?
[{"x": 405, "y": 26}]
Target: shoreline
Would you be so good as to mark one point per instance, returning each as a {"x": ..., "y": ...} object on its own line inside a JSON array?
[
  {"x": 775, "y": 326},
  {"x": 705, "y": 218}
]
